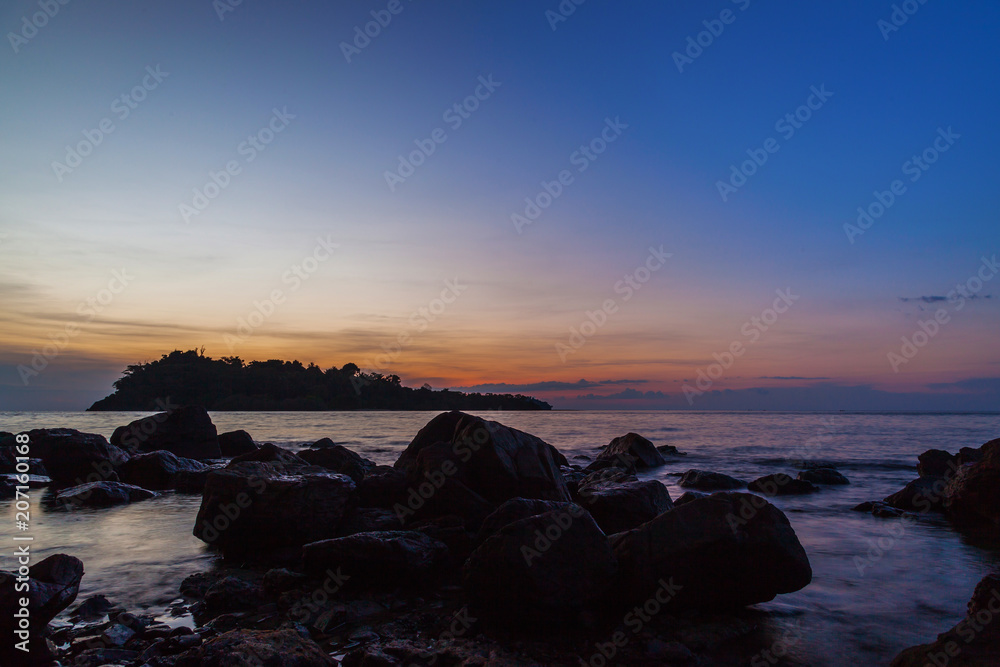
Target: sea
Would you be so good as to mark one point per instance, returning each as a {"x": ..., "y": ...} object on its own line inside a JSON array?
[{"x": 879, "y": 585}]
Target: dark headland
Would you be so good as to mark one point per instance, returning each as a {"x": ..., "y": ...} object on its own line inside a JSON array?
[{"x": 230, "y": 384}]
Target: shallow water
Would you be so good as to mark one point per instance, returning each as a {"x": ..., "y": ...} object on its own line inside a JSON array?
[{"x": 879, "y": 585}]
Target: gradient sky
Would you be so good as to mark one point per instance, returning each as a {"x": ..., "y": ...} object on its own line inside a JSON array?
[{"x": 62, "y": 235}]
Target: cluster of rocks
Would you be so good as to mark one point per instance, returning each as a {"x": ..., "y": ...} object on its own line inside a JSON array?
[
  {"x": 474, "y": 518},
  {"x": 777, "y": 484},
  {"x": 964, "y": 486}
]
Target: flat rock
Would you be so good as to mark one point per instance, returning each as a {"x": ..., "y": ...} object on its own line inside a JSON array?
[
  {"x": 829, "y": 476},
  {"x": 780, "y": 484},
  {"x": 710, "y": 481},
  {"x": 102, "y": 494},
  {"x": 157, "y": 470}
]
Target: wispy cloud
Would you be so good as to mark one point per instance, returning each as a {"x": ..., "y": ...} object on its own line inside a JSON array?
[
  {"x": 938, "y": 299},
  {"x": 628, "y": 394},
  {"x": 551, "y": 385},
  {"x": 789, "y": 377}
]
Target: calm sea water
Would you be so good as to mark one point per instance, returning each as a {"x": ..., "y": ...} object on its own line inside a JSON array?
[{"x": 914, "y": 583}]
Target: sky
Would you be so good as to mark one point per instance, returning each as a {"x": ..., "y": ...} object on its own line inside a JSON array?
[{"x": 713, "y": 205}]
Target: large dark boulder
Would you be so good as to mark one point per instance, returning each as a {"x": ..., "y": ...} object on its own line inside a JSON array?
[
  {"x": 187, "y": 431},
  {"x": 157, "y": 470},
  {"x": 974, "y": 642},
  {"x": 264, "y": 648},
  {"x": 493, "y": 461},
  {"x": 338, "y": 459},
  {"x": 780, "y": 484},
  {"x": 923, "y": 494},
  {"x": 974, "y": 491},
  {"x": 378, "y": 558},
  {"x": 723, "y": 551},
  {"x": 259, "y": 507},
  {"x": 102, "y": 494},
  {"x": 620, "y": 502},
  {"x": 53, "y": 585},
  {"x": 544, "y": 568},
  {"x": 710, "y": 481},
  {"x": 516, "y": 509},
  {"x": 936, "y": 463},
  {"x": 72, "y": 457},
  {"x": 633, "y": 448},
  {"x": 234, "y": 443}
]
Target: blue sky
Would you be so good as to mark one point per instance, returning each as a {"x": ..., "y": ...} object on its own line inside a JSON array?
[{"x": 192, "y": 279}]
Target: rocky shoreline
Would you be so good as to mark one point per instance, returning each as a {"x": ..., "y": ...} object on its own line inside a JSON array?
[{"x": 481, "y": 545}]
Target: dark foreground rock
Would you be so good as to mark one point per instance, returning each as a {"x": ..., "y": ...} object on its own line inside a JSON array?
[
  {"x": 620, "y": 502},
  {"x": 237, "y": 648},
  {"x": 258, "y": 507},
  {"x": 235, "y": 443},
  {"x": 102, "y": 494},
  {"x": 780, "y": 484},
  {"x": 974, "y": 491},
  {"x": 72, "y": 457},
  {"x": 187, "y": 432},
  {"x": 545, "y": 568},
  {"x": 710, "y": 481},
  {"x": 381, "y": 558},
  {"x": 516, "y": 509},
  {"x": 724, "y": 551},
  {"x": 157, "y": 470},
  {"x": 974, "y": 642},
  {"x": 54, "y": 585},
  {"x": 635, "y": 449}
]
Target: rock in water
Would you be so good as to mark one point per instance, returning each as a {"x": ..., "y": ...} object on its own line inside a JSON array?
[
  {"x": 936, "y": 463},
  {"x": 469, "y": 466},
  {"x": 540, "y": 569},
  {"x": 256, "y": 507},
  {"x": 923, "y": 494},
  {"x": 338, "y": 459},
  {"x": 621, "y": 502},
  {"x": 710, "y": 481},
  {"x": 974, "y": 491},
  {"x": 270, "y": 648},
  {"x": 102, "y": 494},
  {"x": 723, "y": 551},
  {"x": 72, "y": 457},
  {"x": 377, "y": 558},
  {"x": 823, "y": 476},
  {"x": 780, "y": 484},
  {"x": 187, "y": 432},
  {"x": 974, "y": 642},
  {"x": 633, "y": 448},
  {"x": 54, "y": 585},
  {"x": 235, "y": 443},
  {"x": 157, "y": 470}
]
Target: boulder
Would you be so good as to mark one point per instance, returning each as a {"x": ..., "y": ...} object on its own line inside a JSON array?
[
  {"x": 725, "y": 551},
  {"x": 688, "y": 496},
  {"x": 516, "y": 509},
  {"x": 271, "y": 453},
  {"x": 72, "y": 457},
  {"x": 633, "y": 448},
  {"x": 8, "y": 463},
  {"x": 193, "y": 481},
  {"x": 53, "y": 586},
  {"x": 540, "y": 569},
  {"x": 935, "y": 463},
  {"x": 670, "y": 450},
  {"x": 368, "y": 519},
  {"x": 338, "y": 459},
  {"x": 974, "y": 642},
  {"x": 923, "y": 494},
  {"x": 102, "y": 494},
  {"x": 379, "y": 558},
  {"x": 710, "y": 481},
  {"x": 273, "y": 648},
  {"x": 974, "y": 491},
  {"x": 156, "y": 470},
  {"x": 496, "y": 462},
  {"x": 187, "y": 431},
  {"x": 383, "y": 486},
  {"x": 823, "y": 476},
  {"x": 234, "y": 443},
  {"x": 622, "y": 504},
  {"x": 780, "y": 484},
  {"x": 258, "y": 507}
]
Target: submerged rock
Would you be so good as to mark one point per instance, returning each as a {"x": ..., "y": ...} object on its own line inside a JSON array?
[
  {"x": 823, "y": 476},
  {"x": 923, "y": 494},
  {"x": 544, "y": 568},
  {"x": 724, "y": 551},
  {"x": 710, "y": 481},
  {"x": 102, "y": 494},
  {"x": 780, "y": 484},
  {"x": 187, "y": 432}
]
